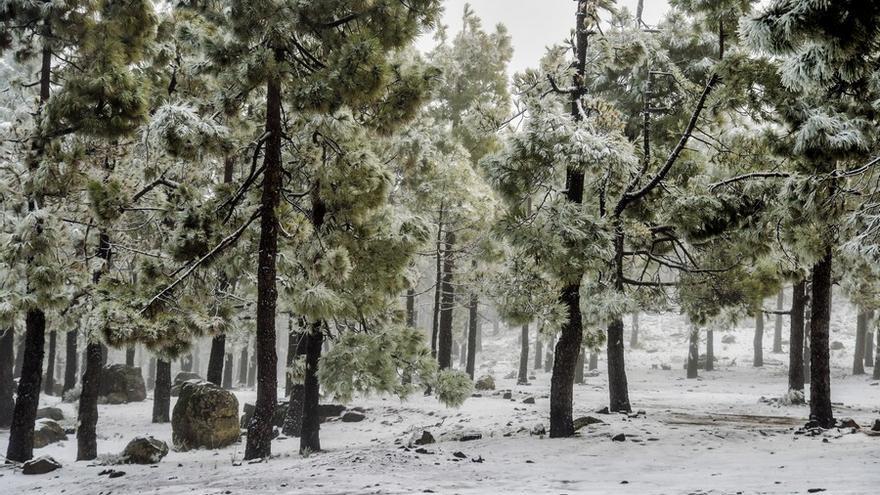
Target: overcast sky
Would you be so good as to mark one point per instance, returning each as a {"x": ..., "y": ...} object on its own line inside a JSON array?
[{"x": 533, "y": 24}]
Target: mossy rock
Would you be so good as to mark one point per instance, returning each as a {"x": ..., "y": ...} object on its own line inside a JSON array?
[{"x": 205, "y": 416}]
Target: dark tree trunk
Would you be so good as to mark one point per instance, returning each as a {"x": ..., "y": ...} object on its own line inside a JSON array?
[
  {"x": 243, "y": 365},
  {"x": 87, "y": 419},
  {"x": 579, "y": 369},
  {"x": 758, "y": 343},
  {"x": 438, "y": 289},
  {"x": 821, "y": 413},
  {"x": 869, "y": 350},
  {"x": 21, "y": 434},
  {"x": 19, "y": 356},
  {"x": 216, "y": 359},
  {"x": 634, "y": 333},
  {"x": 129, "y": 356},
  {"x": 618, "y": 389},
  {"x": 70, "y": 360},
  {"x": 539, "y": 352},
  {"x": 710, "y": 349},
  {"x": 522, "y": 377},
  {"x": 447, "y": 305},
  {"x": 49, "y": 381},
  {"x": 859, "y": 351},
  {"x": 411, "y": 307},
  {"x": 7, "y": 378},
  {"x": 568, "y": 346},
  {"x": 777, "y": 329},
  {"x": 293, "y": 419},
  {"x": 473, "y": 326},
  {"x": 796, "y": 337},
  {"x": 309, "y": 440},
  {"x": 227, "y": 371},
  {"x": 594, "y": 361},
  {"x": 479, "y": 347},
  {"x": 693, "y": 358},
  {"x": 162, "y": 392}
]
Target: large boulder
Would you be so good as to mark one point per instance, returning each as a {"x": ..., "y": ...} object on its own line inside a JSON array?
[
  {"x": 40, "y": 465},
  {"x": 205, "y": 416},
  {"x": 181, "y": 378},
  {"x": 47, "y": 431},
  {"x": 52, "y": 413},
  {"x": 120, "y": 384},
  {"x": 144, "y": 450},
  {"x": 486, "y": 382}
]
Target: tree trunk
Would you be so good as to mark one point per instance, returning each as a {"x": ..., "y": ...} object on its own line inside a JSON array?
[
  {"x": 758, "y": 343},
  {"x": 777, "y": 329},
  {"x": 548, "y": 360},
  {"x": 216, "y": 359},
  {"x": 859, "y": 351},
  {"x": 594, "y": 361},
  {"x": 876, "y": 374},
  {"x": 243, "y": 365},
  {"x": 539, "y": 352},
  {"x": 710, "y": 349},
  {"x": 129, "y": 356},
  {"x": 21, "y": 433},
  {"x": 19, "y": 356},
  {"x": 693, "y": 358},
  {"x": 70, "y": 360},
  {"x": 438, "y": 289},
  {"x": 796, "y": 337},
  {"x": 472, "y": 337},
  {"x": 252, "y": 366},
  {"x": 447, "y": 305},
  {"x": 522, "y": 377},
  {"x": 292, "y": 426},
  {"x": 162, "y": 392},
  {"x": 618, "y": 389},
  {"x": 87, "y": 419},
  {"x": 869, "y": 350},
  {"x": 579, "y": 369},
  {"x": 309, "y": 440},
  {"x": 7, "y": 377},
  {"x": 634, "y": 333},
  {"x": 821, "y": 413},
  {"x": 49, "y": 381},
  {"x": 227, "y": 371}
]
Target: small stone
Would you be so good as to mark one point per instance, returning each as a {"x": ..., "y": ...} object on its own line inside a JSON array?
[
  {"x": 849, "y": 423},
  {"x": 538, "y": 430},
  {"x": 620, "y": 437},
  {"x": 876, "y": 426},
  {"x": 422, "y": 450},
  {"x": 459, "y": 454},
  {"x": 116, "y": 474},
  {"x": 426, "y": 438},
  {"x": 470, "y": 436},
  {"x": 585, "y": 421},
  {"x": 353, "y": 417},
  {"x": 40, "y": 465},
  {"x": 485, "y": 382},
  {"x": 507, "y": 395},
  {"x": 145, "y": 450},
  {"x": 478, "y": 459},
  {"x": 52, "y": 413},
  {"x": 837, "y": 346},
  {"x": 603, "y": 410},
  {"x": 528, "y": 400}
]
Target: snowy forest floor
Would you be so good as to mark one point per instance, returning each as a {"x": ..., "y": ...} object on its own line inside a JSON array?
[{"x": 712, "y": 435}]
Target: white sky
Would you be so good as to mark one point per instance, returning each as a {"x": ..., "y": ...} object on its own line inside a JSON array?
[{"x": 533, "y": 24}]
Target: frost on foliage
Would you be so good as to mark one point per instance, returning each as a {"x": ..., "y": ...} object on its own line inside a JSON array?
[
  {"x": 453, "y": 387},
  {"x": 181, "y": 131}
]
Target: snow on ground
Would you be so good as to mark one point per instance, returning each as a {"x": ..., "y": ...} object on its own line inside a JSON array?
[{"x": 712, "y": 435}]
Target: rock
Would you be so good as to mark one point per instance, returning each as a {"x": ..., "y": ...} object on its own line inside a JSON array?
[
  {"x": 144, "y": 450},
  {"x": 353, "y": 417},
  {"x": 205, "y": 416},
  {"x": 330, "y": 410},
  {"x": 425, "y": 438},
  {"x": 528, "y": 400},
  {"x": 47, "y": 431},
  {"x": 181, "y": 378},
  {"x": 459, "y": 454},
  {"x": 620, "y": 437},
  {"x": 849, "y": 423},
  {"x": 538, "y": 430},
  {"x": 52, "y": 413},
  {"x": 837, "y": 346},
  {"x": 422, "y": 450},
  {"x": 603, "y": 410},
  {"x": 510, "y": 376},
  {"x": 277, "y": 419},
  {"x": 470, "y": 436},
  {"x": 116, "y": 474},
  {"x": 728, "y": 339},
  {"x": 586, "y": 421},
  {"x": 876, "y": 426},
  {"x": 40, "y": 465},
  {"x": 507, "y": 395},
  {"x": 665, "y": 367},
  {"x": 485, "y": 382},
  {"x": 120, "y": 384}
]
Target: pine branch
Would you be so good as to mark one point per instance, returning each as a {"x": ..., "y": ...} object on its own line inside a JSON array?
[{"x": 753, "y": 175}]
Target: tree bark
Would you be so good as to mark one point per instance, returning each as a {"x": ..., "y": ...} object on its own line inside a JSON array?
[
  {"x": 70, "y": 361},
  {"x": 7, "y": 377},
  {"x": 292, "y": 426},
  {"x": 777, "y": 329},
  {"x": 243, "y": 365},
  {"x": 821, "y": 413},
  {"x": 634, "y": 333},
  {"x": 876, "y": 374},
  {"x": 162, "y": 392},
  {"x": 579, "y": 369},
  {"x": 594, "y": 361},
  {"x": 539, "y": 352},
  {"x": 21, "y": 433},
  {"x": 227, "y": 371},
  {"x": 151, "y": 374},
  {"x": 216, "y": 359},
  {"x": 859, "y": 351},
  {"x": 49, "y": 381},
  {"x": 796, "y": 337},
  {"x": 87, "y": 419},
  {"x": 548, "y": 360},
  {"x": 19, "y": 356},
  {"x": 758, "y": 342},
  {"x": 522, "y": 377},
  {"x": 447, "y": 305},
  {"x": 259, "y": 436},
  {"x": 693, "y": 358},
  {"x": 309, "y": 440},
  {"x": 869, "y": 350},
  {"x": 710, "y": 349},
  {"x": 129, "y": 356},
  {"x": 473, "y": 326},
  {"x": 438, "y": 289}
]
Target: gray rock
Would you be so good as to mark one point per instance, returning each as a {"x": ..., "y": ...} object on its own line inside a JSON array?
[
  {"x": 423, "y": 438},
  {"x": 528, "y": 400},
  {"x": 837, "y": 346},
  {"x": 205, "y": 416},
  {"x": 507, "y": 395},
  {"x": 620, "y": 437},
  {"x": 470, "y": 436},
  {"x": 52, "y": 413},
  {"x": 538, "y": 430},
  {"x": 47, "y": 431},
  {"x": 353, "y": 417},
  {"x": 485, "y": 382},
  {"x": 40, "y": 465},
  {"x": 330, "y": 410},
  {"x": 277, "y": 418},
  {"x": 586, "y": 421},
  {"x": 145, "y": 450},
  {"x": 728, "y": 339},
  {"x": 181, "y": 378},
  {"x": 876, "y": 426},
  {"x": 120, "y": 384}
]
